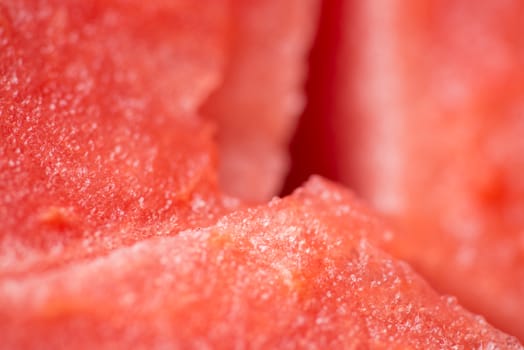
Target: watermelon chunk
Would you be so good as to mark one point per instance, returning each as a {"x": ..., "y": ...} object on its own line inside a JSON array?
[
  {"x": 260, "y": 98},
  {"x": 430, "y": 116},
  {"x": 103, "y": 147},
  {"x": 306, "y": 271},
  {"x": 101, "y": 143}
]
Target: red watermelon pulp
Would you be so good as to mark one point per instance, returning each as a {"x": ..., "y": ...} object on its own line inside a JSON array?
[{"x": 115, "y": 116}]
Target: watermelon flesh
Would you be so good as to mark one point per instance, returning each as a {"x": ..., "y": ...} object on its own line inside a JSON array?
[
  {"x": 100, "y": 143},
  {"x": 103, "y": 147},
  {"x": 260, "y": 97},
  {"x": 306, "y": 271},
  {"x": 430, "y": 123}
]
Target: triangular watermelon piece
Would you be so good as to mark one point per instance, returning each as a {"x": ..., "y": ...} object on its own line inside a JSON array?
[{"x": 306, "y": 271}]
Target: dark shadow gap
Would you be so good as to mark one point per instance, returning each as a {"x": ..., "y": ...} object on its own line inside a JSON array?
[{"x": 312, "y": 148}]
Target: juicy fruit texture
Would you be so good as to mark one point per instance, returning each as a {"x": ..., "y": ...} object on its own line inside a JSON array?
[
  {"x": 438, "y": 115},
  {"x": 301, "y": 272},
  {"x": 257, "y": 104},
  {"x": 101, "y": 145}
]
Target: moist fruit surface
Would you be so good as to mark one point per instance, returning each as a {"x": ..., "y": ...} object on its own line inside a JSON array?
[
  {"x": 430, "y": 124},
  {"x": 101, "y": 143},
  {"x": 305, "y": 271}
]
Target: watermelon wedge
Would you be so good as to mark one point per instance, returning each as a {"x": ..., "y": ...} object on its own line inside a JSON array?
[
  {"x": 260, "y": 98},
  {"x": 101, "y": 144},
  {"x": 306, "y": 271},
  {"x": 430, "y": 124}
]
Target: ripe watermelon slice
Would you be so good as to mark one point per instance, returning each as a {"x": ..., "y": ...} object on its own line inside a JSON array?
[
  {"x": 432, "y": 136},
  {"x": 104, "y": 147},
  {"x": 101, "y": 143},
  {"x": 302, "y": 272},
  {"x": 257, "y": 104}
]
